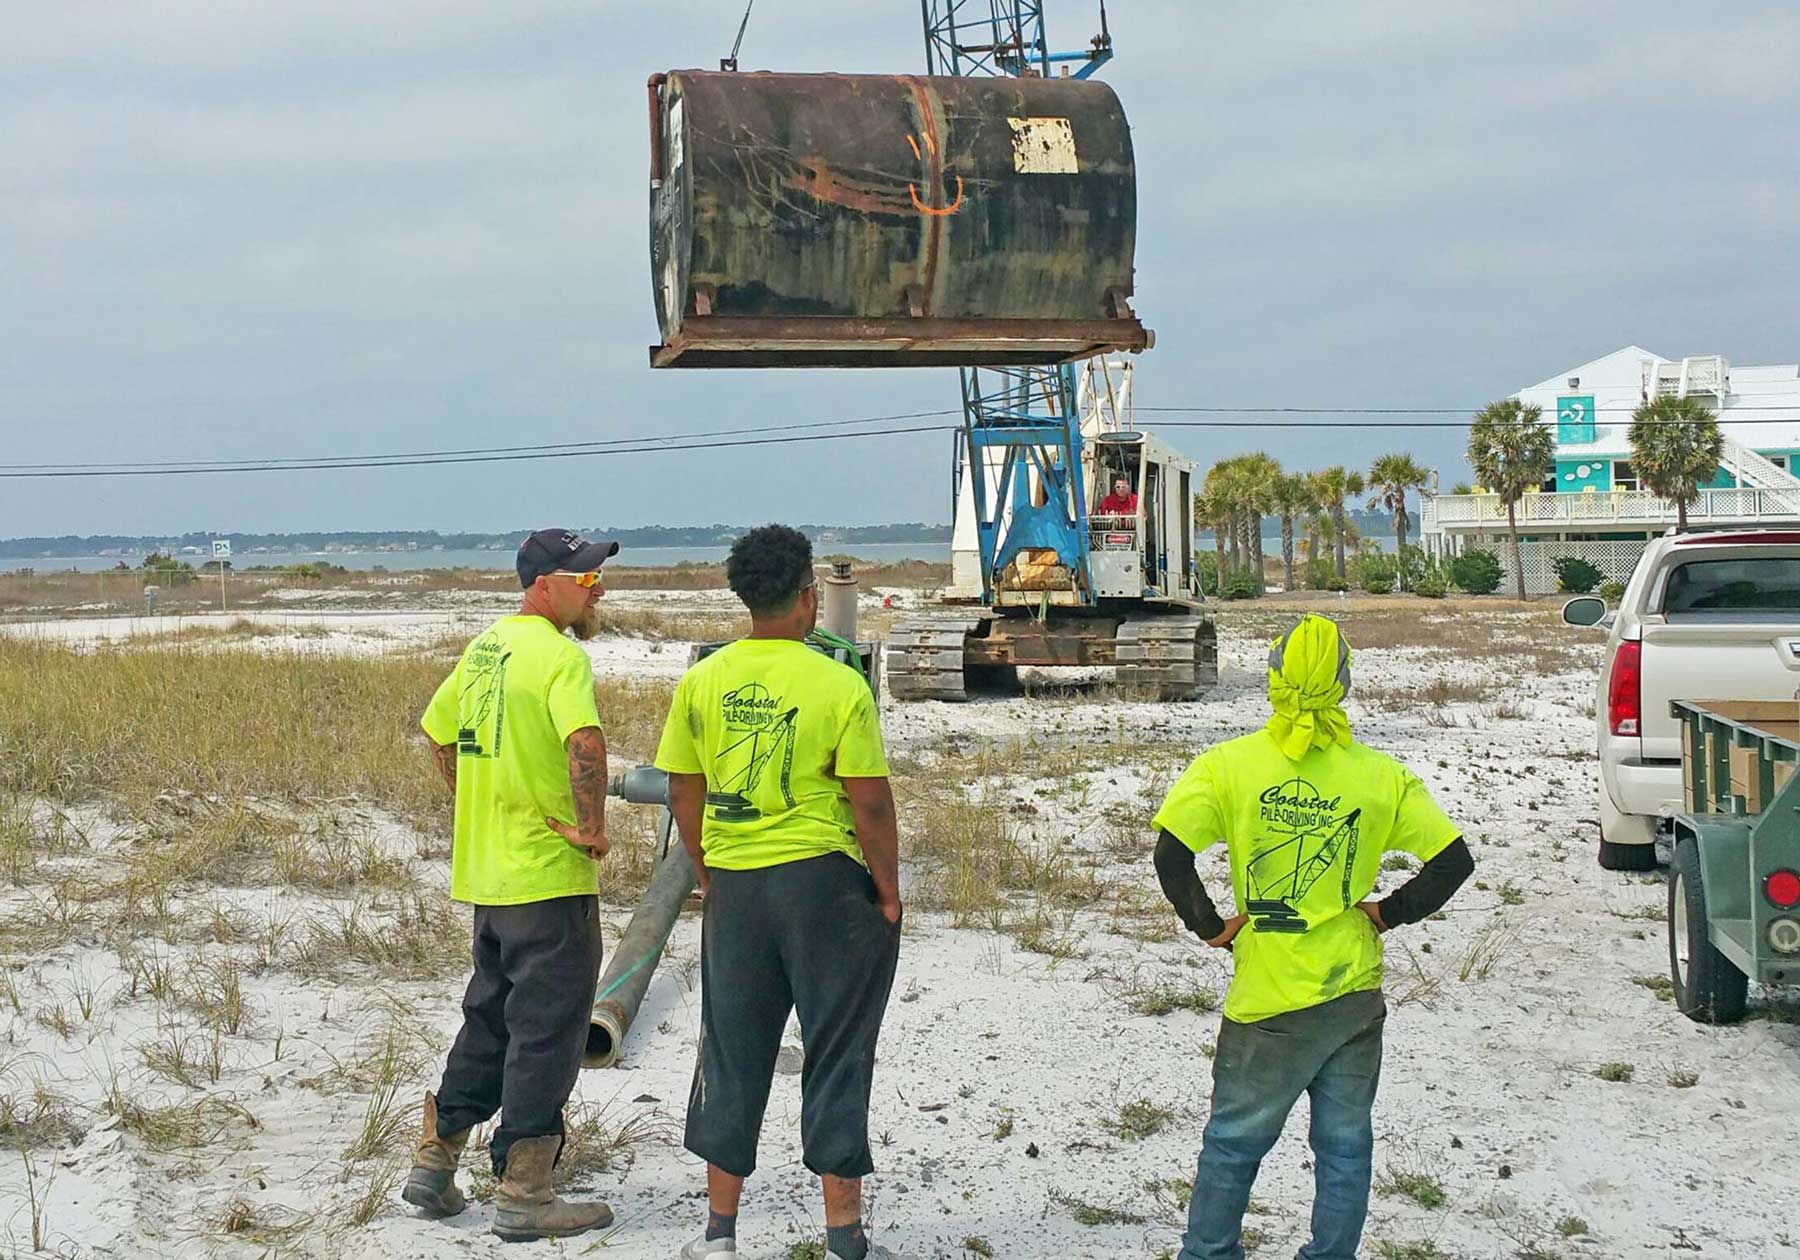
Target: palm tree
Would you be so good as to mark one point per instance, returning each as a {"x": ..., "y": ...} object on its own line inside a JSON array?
[
  {"x": 1291, "y": 498},
  {"x": 1336, "y": 484},
  {"x": 1675, "y": 449},
  {"x": 1210, "y": 515},
  {"x": 1221, "y": 491},
  {"x": 1511, "y": 451},
  {"x": 1390, "y": 477},
  {"x": 1258, "y": 472},
  {"x": 1317, "y": 521}
]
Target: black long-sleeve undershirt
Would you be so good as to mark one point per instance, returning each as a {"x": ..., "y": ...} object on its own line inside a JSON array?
[
  {"x": 1418, "y": 898},
  {"x": 1425, "y": 893},
  {"x": 1181, "y": 885}
]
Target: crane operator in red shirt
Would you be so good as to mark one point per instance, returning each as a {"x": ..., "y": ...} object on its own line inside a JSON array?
[{"x": 1121, "y": 501}]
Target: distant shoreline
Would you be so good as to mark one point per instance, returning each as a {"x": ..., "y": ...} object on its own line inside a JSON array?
[
  {"x": 482, "y": 560},
  {"x": 415, "y": 549}
]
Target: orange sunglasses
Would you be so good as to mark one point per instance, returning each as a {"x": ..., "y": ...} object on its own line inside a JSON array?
[{"x": 588, "y": 580}]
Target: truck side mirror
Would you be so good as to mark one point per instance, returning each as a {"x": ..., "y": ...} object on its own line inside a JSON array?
[{"x": 1584, "y": 610}]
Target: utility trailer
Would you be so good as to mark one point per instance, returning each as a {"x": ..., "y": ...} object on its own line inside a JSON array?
[{"x": 1734, "y": 882}]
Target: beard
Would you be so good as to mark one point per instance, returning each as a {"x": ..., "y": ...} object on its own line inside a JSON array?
[{"x": 587, "y": 625}]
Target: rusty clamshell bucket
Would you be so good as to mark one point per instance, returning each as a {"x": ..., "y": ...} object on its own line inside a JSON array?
[{"x": 827, "y": 220}]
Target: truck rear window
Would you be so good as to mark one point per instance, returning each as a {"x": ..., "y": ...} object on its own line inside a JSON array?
[{"x": 1738, "y": 585}]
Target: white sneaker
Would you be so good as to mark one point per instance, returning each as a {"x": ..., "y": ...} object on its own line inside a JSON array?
[{"x": 700, "y": 1249}]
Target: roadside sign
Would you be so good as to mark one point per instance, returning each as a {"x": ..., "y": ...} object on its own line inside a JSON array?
[{"x": 221, "y": 554}]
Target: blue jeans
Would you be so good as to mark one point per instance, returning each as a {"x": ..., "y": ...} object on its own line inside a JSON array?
[{"x": 1331, "y": 1052}]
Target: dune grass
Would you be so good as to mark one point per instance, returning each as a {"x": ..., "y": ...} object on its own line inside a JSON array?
[{"x": 132, "y": 725}]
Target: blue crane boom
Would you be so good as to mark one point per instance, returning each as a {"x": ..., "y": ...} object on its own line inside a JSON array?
[
  {"x": 1059, "y": 583},
  {"x": 1020, "y": 423}
]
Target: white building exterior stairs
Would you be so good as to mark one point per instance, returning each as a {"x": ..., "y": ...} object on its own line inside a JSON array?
[{"x": 1754, "y": 470}]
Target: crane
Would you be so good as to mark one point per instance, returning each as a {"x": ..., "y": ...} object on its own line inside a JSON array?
[{"x": 1057, "y": 583}]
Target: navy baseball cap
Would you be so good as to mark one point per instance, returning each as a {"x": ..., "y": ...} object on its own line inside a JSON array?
[{"x": 560, "y": 550}]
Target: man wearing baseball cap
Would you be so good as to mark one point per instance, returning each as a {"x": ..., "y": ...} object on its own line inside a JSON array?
[{"x": 516, "y": 734}]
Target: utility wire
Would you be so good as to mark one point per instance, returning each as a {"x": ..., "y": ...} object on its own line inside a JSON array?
[
  {"x": 465, "y": 459},
  {"x": 323, "y": 461},
  {"x": 1724, "y": 417},
  {"x": 757, "y": 435}
]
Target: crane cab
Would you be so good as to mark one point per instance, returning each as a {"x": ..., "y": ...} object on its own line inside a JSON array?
[{"x": 1140, "y": 547}]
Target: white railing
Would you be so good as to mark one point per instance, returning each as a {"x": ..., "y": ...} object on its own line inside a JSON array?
[
  {"x": 1602, "y": 507},
  {"x": 1696, "y": 374},
  {"x": 1754, "y": 469}
]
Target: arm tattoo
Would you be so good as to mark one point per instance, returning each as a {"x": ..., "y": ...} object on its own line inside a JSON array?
[
  {"x": 445, "y": 756},
  {"x": 587, "y": 779}
]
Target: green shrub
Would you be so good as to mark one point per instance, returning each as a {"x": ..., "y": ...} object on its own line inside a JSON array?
[
  {"x": 1375, "y": 571},
  {"x": 1206, "y": 564},
  {"x": 1476, "y": 571},
  {"x": 312, "y": 570},
  {"x": 1577, "y": 576},
  {"x": 1321, "y": 575},
  {"x": 1612, "y": 593},
  {"x": 1410, "y": 563},
  {"x": 1240, "y": 584},
  {"x": 166, "y": 570},
  {"x": 1431, "y": 586}
]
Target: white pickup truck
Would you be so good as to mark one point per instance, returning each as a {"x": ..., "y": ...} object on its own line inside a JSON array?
[{"x": 1712, "y": 616}]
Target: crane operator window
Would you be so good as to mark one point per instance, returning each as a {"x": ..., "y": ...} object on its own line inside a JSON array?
[{"x": 1116, "y": 494}]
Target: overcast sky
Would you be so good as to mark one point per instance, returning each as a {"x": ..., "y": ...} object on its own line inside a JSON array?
[{"x": 238, "y": 229}]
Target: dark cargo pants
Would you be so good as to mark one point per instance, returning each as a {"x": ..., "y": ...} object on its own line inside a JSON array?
[
  {"x": 804, "y": 937},
  {"x": 525, "y": 1020}
]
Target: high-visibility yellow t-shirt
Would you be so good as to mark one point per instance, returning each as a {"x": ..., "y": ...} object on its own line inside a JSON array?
[
  {"x": 774, "y": 726},
  {"x": 1305, "y": 840},
  {"x": 518, "y": 693}
]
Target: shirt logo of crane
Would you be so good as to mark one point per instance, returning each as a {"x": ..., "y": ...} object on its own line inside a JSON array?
[
  {"x": 481, "y": 705},
  {"x": 1305, "y": 841},
  {"x": 759, "y": 732}
]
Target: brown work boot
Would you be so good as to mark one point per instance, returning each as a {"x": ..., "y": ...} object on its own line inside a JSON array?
[
  {"x": 431, "y": 1186},
  {"x": 524, "y": 1207}
]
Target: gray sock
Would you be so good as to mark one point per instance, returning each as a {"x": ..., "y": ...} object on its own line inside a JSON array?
[
  {"x": 719, "y": 1226},
  {"x": 847, "y": 1242}
]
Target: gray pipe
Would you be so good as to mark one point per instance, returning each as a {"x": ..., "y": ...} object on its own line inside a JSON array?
[
  {"x": 837, "y": 608},
  {"x": 627, "y": 977}
]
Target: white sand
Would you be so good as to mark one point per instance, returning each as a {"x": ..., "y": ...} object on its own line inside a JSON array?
[{"x": 1488, "y": 1082}]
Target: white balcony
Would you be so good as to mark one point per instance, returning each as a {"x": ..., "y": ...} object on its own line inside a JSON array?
[
  {"x": 1604, "y": 509},
  {"x": 1697, "y": 374}
]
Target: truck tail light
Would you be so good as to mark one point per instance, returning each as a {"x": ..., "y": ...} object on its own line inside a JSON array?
[
  {"x": 1782, "y": 888},
  {"x": 1624, "y": 701}
]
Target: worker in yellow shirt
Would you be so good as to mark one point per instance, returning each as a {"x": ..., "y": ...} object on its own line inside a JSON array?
[
  {"x": 1306, "y": 814},
  {"x": 516, "y": 734},
  {"x": 779, "y": 785}
]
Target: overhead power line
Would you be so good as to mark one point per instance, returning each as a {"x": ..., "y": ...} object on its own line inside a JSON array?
[
  {"x": 324, "y": 461},
  {"x": 1723, "y": 418},
  {"x": 838, "y": 429},
  {"x": 187, "y": 470}
]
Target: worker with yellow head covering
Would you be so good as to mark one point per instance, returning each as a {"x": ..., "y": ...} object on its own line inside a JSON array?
[{"x": 1306, "y": 814}]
